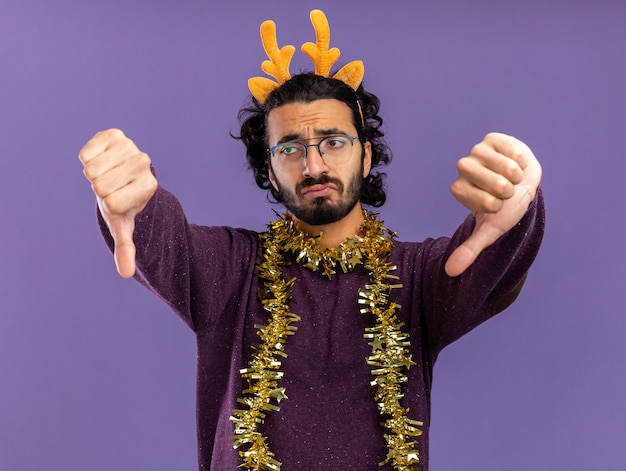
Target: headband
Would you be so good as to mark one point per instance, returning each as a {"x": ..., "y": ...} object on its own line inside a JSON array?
[{"x": 278, "y": 66}]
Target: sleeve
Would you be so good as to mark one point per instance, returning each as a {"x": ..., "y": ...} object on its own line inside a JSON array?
[
  {"x": 194, "y": 269},
  {"x": 454, "y": 306}
]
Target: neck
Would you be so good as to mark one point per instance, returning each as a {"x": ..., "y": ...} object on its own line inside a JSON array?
[{"x": 336, "y": 233}]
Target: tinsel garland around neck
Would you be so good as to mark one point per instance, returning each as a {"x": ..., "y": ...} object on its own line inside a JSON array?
[{"x": 390, "y": 357}]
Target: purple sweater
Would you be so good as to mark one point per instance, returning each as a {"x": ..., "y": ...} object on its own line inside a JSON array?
[{"x": 329, "y": 421}]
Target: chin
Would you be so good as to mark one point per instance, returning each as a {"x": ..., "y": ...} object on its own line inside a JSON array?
[{"x": 321, "y": 212}]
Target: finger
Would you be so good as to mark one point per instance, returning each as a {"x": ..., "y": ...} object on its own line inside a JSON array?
[
  {"x": 510, "y": 147},
  {"x": 475, "y": 199},
  {"x": 127, "y": 170},
  {"x": 106, "y": 185},
  {"x": 459, "y": 261},
  {"x": 125, "y": 260},
  {"x": 466, "y": 253},
  {"x": 479, "y": 174},
  {"x": 130, "y": 198},
  {"x": 107, "y": 160},
  {"x": 122, "y": 229},
  {"x": 497, "y": 161},
  {"x": 98, "y": 144},
  {"x": 122, "y": 152}
]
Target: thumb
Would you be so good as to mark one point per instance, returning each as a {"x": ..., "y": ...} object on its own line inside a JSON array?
[
  {"x": 122, "y": 229},
  {"x": 466, "y": 253}
]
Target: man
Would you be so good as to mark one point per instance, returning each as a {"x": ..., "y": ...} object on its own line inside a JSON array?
[{"x": 316, "y": 340}]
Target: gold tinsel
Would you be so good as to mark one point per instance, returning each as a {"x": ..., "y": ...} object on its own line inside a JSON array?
[{"x": 390, "y": 358}]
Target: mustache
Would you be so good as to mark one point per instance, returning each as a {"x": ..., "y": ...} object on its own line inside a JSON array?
[{"x": 321, "y": 180}]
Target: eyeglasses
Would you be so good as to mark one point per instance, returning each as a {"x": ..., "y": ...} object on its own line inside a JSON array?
[{"x": 334, "y": 150}]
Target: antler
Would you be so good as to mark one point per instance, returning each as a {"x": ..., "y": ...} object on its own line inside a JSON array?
[
  {"x": 280, "y": 58},
  {"x": 322, "y": 57},
  {"x": 277, "y": 66},
  {"x": 351, "y": 74}
]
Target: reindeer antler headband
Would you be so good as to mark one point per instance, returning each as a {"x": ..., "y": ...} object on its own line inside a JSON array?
[{"x": 278, "y": 66}]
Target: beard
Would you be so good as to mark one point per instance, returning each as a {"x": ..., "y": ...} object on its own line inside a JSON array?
[{"x": 320, "y": 211}]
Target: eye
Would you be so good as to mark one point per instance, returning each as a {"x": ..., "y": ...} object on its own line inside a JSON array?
[
  {"x": 289, "y": 149},
  {"x": 335, "y": 142}
]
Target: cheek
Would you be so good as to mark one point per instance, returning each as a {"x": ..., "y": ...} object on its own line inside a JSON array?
[{"x": 279, "y": 180}]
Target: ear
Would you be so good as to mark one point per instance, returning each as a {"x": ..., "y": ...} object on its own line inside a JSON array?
[
  {"x": 271, "y": 175},
  {"x": 367, "y": 158}
]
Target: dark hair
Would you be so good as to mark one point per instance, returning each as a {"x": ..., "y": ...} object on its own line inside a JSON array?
[{"x": 305, "y": 88}]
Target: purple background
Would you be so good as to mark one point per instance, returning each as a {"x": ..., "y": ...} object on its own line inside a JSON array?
[{"x": 96, "y": 374}]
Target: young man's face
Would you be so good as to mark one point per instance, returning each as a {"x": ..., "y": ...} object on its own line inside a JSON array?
[{"x": 317, "y": 190}]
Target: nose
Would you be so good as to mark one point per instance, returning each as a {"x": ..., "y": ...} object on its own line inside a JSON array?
[{"x": 314, "y": 164}]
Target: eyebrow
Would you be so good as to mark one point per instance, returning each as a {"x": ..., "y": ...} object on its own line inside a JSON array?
[{"x": 318, "y": 131}]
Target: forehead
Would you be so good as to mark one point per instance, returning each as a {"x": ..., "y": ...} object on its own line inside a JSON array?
[{"x": 308, "y": 119}]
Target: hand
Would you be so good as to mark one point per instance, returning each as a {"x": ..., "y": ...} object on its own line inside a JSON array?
[
  {"x": 123, "y": 182},
  {"x": 497, "y": 182}
]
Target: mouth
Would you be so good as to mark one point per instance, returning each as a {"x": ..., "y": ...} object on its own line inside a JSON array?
[{"x": 318, "y": 191}]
